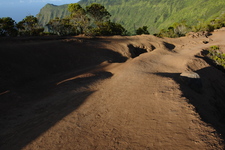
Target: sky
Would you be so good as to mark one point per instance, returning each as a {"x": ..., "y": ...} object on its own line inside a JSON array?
[{"x": 19, "y": 9}]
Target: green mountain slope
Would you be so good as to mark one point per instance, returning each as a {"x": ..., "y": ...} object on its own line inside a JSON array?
[
  {"x": 50, "y": 11},
  {"x": 156, "y": 14}
]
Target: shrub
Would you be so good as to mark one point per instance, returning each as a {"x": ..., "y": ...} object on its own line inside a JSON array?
[
  {"x": 217, "y": 56},
  {"x": 214, "y": 47},
  {"x": 8, "y": 27},
  {"x": 142, "y": 30},
  {"x": 106, "y": 28},
  {"x": 178, "y": 29}
]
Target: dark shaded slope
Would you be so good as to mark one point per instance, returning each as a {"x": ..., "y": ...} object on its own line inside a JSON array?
[
  {"x": 26, "y": 60},
  {"x": 44, "y": 80}
]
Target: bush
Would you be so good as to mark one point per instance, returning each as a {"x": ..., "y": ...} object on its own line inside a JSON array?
[
  {"x": 217, "y": 56},
  {"x": 214, "y": 47},
  {"x": 106, "y": 28},
  {"x": 8, "y": 27},
  {"x": 178, "y": 29},
  {"x": 142, "y": 30}
]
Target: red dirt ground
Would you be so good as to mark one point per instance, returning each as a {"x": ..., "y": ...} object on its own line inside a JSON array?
[{"x": 84, "y": 93}]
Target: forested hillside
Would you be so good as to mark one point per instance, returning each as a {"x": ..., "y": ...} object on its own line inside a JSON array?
[{"x": 156, "y": 14}]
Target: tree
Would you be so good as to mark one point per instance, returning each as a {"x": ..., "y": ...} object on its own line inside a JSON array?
[
  {"x": 101, "y": 21},
  {"x": 78, "y": 17},
  {"x": 142, "y": 30},
  {"x": 7, "y": 27},
  {"x": 29, "y": 26},
  {"x": 61, "y": 26},
  {"x": 94, "y": 20},
  {"x": 109, "y": 28},
  {"x": 98, "y": 12},
  {"x": 75, "y": 8}
]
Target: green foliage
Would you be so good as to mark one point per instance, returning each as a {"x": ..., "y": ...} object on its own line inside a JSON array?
[
  {"x": 219, "y": 21},
  {"x": 61, "y": 27},
  {"x": 167, "y": 33},
  {"x": 102, "y": 25},
  {"x": 216, "y": 23},
  {"x": 142, "y": 30},
  {"x": 107, "y": 28},
  {"x": 50, "y": 11},
  {"x": 7, "y": 27},
  {"x": 79, "y": 19},
  {"x": 79, "y": 22},
  {"x": 217, "y": 56},
  {"x": 75, "y": 8},
  {"x": 29, "y": 26},
  {"x": 201, "y": 26},
  {"x": 178, "y": 29},
  {"x": 46, "y": 33},
  {"x": 98, "y": 12},
  {"x": 214, "y": 47},
  {"x": 156, "y": 14}
]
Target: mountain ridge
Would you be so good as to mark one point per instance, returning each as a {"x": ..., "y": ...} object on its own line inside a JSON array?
[{"x": 156, "y": 14}]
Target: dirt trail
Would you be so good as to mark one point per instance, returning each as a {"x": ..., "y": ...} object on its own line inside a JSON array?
[{"x": 138, "y": 104}]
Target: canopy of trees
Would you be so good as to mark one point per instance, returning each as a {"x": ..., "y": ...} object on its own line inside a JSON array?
[
  {"x": 28, "y": 26},
  {"x": 61, "y": 26},
  {"x": 7, "y": 27},
  {"x": 93, "y": 20},
  {"x": 98, "y": 13}
]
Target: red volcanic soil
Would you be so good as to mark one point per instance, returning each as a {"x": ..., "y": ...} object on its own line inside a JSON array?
[{"x": 114, "y": 92}]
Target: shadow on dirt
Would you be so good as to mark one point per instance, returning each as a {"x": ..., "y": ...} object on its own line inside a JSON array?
[
  {"x": 34, "y": 102},
  {"x": 210, "y": 103},
  {"x": 23, "y": 62},
  {"x": 136, "y": 51},
  {"x": 169, "y": 46},
  {"x": 28, "y": 112}
]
